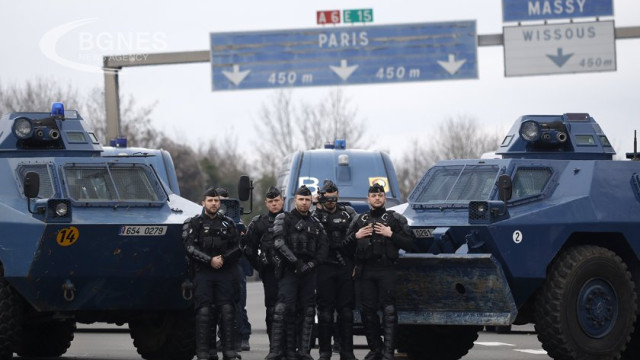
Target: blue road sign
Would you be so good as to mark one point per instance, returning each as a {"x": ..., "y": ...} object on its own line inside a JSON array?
[
  {"x": 524, "y": 10},
  {"x": 344, "y": 55}
]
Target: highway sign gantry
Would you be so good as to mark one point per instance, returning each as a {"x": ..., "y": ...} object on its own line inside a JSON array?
[
  {"x": 344, "y": 55},
  {"x": 559, "y": 48}
]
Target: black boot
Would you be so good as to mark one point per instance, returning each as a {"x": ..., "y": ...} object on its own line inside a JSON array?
[
  {"x": 304, "y": 352},
  {"x": 269, "y": 320},
  {"x": 390, "y": 323},
  {"x": 203, "y": 333},
  {"x": 336, "y": 337},
  {"x": 325, "y": 326},
  {"x": 371, "y": 323},
  {"x": 345, "y": 322},
  {"x": 292, "y": 328},
  {"x": 228, "y": 317},
  {"x": 276, "y": 341},
  {"x": 213, "y": 320}
]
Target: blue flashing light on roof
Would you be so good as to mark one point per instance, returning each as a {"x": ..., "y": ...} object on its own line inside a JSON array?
[
  {"x": 57, "y": 109},
  {"x": 119, "y": 142},
  {"x": 340, "y": 144}
]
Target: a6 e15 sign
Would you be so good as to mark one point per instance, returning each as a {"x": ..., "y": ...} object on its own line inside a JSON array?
[
  {"x": 350, "y": 16},
  {"x": 358, "y": 16},
  {"x": 328, "y": 17}
]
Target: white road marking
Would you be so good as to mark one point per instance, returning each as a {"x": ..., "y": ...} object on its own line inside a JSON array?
[
  {"x": 489, "y": 343},
  {"x": 531, "y": 351}
]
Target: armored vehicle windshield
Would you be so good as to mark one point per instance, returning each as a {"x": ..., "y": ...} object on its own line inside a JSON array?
[{"x": 455, "y": 185}]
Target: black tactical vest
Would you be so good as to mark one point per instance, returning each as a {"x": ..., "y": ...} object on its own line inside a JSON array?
[
  {"x": 376, "y": 246},
  {"x": 336, "y": 224},
  {"x": 303, "y": 235},
  {"x": 215, "y": 236}
]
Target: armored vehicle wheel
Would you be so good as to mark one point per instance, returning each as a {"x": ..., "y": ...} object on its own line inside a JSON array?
[
  {"x": 587, "y": 306},
  {"x": 10, "y": 320},
  {"x": 169, "y": 336},
  {"x": 437, "y": 342},
  {"x": 633, "y": 348},
  {"x": 46, "y": 338}
]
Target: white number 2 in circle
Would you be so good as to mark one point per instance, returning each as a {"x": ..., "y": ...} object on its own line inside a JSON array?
[{"x": 517, "y": 237}]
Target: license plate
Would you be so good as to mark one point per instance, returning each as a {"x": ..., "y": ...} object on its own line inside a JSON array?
[
  {"x": 133, "y": 230},
  {"x": 423, "y": 233}
]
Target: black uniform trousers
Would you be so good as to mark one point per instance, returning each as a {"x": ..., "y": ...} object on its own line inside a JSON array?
[
  {"x": 335, "y": 287},
  {"x": 377, "y": 286},
  {"x": 215, "y": 286}
]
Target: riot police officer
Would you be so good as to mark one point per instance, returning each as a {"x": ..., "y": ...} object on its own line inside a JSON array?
[
  {"x": 377, "y": 235},
  {"x": 243, "y": 326},
  {"x": 301, "y": 242},
  {"x": 212, "y": 243},
  {"x": 259, "y": 250},
  {"x": 335, "y": 284}
]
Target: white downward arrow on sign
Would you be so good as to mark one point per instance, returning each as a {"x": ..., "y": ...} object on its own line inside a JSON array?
[
  {"x": 452, "y": 66},
  {"x": 236, "y": 76},
  {"x": 343, "y": 70}
]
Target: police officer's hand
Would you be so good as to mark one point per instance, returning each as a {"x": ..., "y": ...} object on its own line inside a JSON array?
[
  {"x": 314, "y": 201},
  {"x": 383, "y": 230},
  {"x": 364, "y": 232},
  {"x": 217, "y": 262},
  {"x": 303, "y": 267}
]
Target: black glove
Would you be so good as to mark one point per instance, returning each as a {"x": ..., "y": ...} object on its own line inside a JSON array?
[{"x": 303, "y": 267}]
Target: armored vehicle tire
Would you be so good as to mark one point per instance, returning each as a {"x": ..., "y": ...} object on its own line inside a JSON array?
[
  {"x": 587, "y": 306},
  {"x": 436, "y": 342},
  {"x": 10, "y": 320},
  {"x": 168, "y": 336},
  {"x": 633, "y": 348},
  {"x": 46, "y": 338}
]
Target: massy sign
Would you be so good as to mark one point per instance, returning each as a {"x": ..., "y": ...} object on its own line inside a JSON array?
[{"x": 85, "y": 49}]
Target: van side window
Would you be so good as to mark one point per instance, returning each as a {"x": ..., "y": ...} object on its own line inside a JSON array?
[{"x": 530, "y": 181}]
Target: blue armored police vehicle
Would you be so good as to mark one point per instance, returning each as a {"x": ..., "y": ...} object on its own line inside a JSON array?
[
  {"x": 89, "y": 234},
  {"x": 547, "y": 234},
  {"x": 352, "y": 170}
]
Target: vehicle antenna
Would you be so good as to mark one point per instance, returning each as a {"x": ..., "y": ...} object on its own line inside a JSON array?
[{"x": 635, "y": 145}]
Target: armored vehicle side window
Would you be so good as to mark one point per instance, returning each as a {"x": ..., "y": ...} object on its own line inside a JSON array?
[
  {"x": 102, "y": 183},
  {"x": 44, "y": 171},
  {"x": 530, "y": 181},
  {"x": 457, "y": 184}
]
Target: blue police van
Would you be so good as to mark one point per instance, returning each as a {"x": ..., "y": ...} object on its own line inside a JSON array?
[{"x": 352, "y": 170}]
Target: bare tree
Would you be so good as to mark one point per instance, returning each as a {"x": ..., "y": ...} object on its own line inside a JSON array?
[
  {"x": 222, "y": 163},
  {"x": 459, "y": 138},
  {"x": 36, "y": 95},
  {"x": 286, "y": 128}
]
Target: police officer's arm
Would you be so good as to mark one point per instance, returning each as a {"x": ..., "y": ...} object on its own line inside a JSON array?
[
  {"x": 350, "y": 239},
  {"x": 234, "y": 252},
  {"x": 189, "y": 238},
  {"x": 252, "y": 243},
  {"x": 349, "y": 245},
  {"x": 323, "y": 247},
  {"x": 279, "y": 244},
  {"x": 402, "y": 236}
]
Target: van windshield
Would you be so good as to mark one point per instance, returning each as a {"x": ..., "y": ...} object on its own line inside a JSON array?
[
  {"x": 103, "y": 183},
  {"x": 457, "y": 184}
]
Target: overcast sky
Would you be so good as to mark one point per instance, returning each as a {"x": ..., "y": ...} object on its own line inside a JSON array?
[{"x": 78, "y": 33}]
